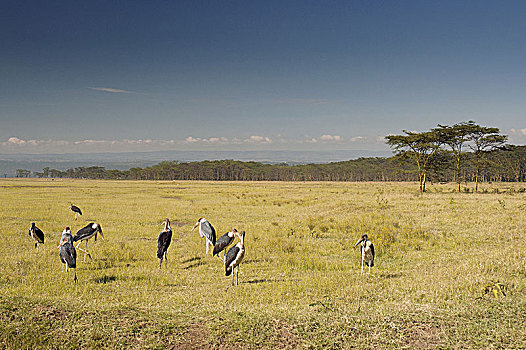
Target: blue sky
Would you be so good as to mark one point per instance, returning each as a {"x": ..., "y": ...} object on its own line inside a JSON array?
[{"x": 104, "y": 76}]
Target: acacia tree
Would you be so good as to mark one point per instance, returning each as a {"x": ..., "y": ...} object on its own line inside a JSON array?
[
  {"x": 455, "y": 137},
  {"x": 22, "y": 173},
  {"x": 421, "y": 147},
  {"x": 484, "y": 140}
]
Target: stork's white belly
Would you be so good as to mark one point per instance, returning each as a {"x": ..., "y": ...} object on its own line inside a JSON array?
[
  {"x": 238, "y": 258},
  {"x": 367, "y": 254}
]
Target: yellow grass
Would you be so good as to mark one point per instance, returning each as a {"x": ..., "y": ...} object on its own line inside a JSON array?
[{"x": 439, "y": 257}]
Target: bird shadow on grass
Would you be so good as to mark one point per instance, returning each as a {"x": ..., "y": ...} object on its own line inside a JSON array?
[
  {"x": 263, "y": 280},
  {"x": 191, "y": 259},
  {"x": 254, "y": 261},
  {"x": 193, "y": 265},
  {"x": 390, "y": 275},
  {"x": 198, "y": 263},
  {"x": 105, "y": 279}
]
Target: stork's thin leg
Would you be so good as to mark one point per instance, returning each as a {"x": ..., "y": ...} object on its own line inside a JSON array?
[
  {"x": 362, "y": 268},
  {"x": 165, "y": 259},
  {"x": 85, "y": 251},
  {"x": 369, "y": 269},
  {"x": 67, "y": 272},
  {"x": 77, "y": 247},
  {"x": 75, "y": 279},
  {"x": 233, "y": 277},
  {"x": 237, "y": 275},
  {"x": 206, "y": 247}
]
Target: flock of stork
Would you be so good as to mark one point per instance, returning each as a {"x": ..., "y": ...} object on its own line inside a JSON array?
[
  {"x": 68, "y": 252},
  {"x": 232, "y": 259}
]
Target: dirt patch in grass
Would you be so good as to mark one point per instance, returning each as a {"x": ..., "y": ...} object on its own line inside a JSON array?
[
  {"x": 194, "y": 338},
  {"x": 286, "y": 336},
  {"x": 50, "y": 313},
  {"x": 424, "y": 336}
]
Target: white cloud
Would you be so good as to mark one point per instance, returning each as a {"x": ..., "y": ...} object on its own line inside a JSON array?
[
  {"x": 16, "y": 141},
  {"x": 330, "y": 138},
  {"x": 18, "y": 145},
  {"x": 518, "y": 131},
  {"x": 258, "y": 139},
  {"x": 517, "y": 136},
  {"x": 118, "y": 91},
  {"x": 191, "y": 139}
]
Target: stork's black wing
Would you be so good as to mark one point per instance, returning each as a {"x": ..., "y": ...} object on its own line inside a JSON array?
[
  {"x": 372, "y": 252},
  {"x": 230, "y": 257},
  {"x": 76, "y": 209},
  {"x": 68, "y": 255},
  {"x": 209, "y": 232},
  {"x": 222, "y": 242},
  {"x": 39, "y": 235},
  {"x": 84, "y": 233},
  {"x": 163, "y": 242}
]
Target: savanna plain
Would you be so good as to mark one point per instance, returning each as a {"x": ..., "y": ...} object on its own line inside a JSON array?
[{"x": 450, "y": 268}]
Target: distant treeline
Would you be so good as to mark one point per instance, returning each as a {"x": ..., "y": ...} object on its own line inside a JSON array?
[{"x": 503, "y": 164}]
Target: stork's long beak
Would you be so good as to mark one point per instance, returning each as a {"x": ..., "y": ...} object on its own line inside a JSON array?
[
  {"x": 195, "y": 226},
  {"x": 359, "y": 241},
  {"x": 102, "y": 236},
  {"x": 63, "y": 242}
]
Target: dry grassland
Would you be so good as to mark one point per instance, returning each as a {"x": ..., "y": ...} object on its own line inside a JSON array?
[{"x": 439, "y": 257}]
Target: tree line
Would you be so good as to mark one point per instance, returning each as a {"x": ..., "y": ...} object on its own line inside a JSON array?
[{"x": 463, "y": 152}]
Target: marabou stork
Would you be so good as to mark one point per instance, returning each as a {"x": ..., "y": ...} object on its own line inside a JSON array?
[
  {"x": 163, "y": 242},
  {"x": 367, "y": 251},
  {"x": 67, "y": 252},
  {"x": 75, "y": 209},
  {"x": 37, "y": 235},
  {"x": 223, "y": 242},
  {"x": 234, "y": 257},
  {"x": 86, "y": 233},
  {"x": 206, "y": 230}
]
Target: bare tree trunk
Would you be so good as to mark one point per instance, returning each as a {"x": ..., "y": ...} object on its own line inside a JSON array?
[
  {"x": 458, "y": 172},
  {"x": 477, "y": 180}
]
